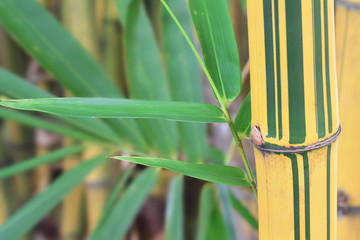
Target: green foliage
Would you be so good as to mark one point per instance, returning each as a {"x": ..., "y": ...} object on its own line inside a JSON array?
[
  {"x": 218, "y": 45},
  {"x": 243, "y": 118},
  {"x": 37, "y": 161},
  {"x": 209, "y": 172},
  {"x": 44, "y": 202},
  {"x": 120, "y": 108},
  {"x": 163, "y": 83},
  {"x": 175, "y": 210},
  {"x": 126, "y": 208}
]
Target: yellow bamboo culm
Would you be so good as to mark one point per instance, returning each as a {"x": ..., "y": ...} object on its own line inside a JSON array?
[
  {"x": 72, "y": 205},
  {"x": 294, "y": 106},
  {"x": 79, "y": 18},
  {"x": 348, "y": 61}
]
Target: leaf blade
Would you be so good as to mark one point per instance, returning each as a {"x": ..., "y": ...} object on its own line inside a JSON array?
[
  {"x": 120, "y": 108},
  {"x": 33, "y": 211},
  {"x": 130, "y": 203},
  {"x": 39, "y": 160},
  {"x": 183, "y": 76},
  {"x": 174, "y": 210},
  {"x": 243, "y": 118},
  {"x": 213, "y": 173},
  {"x": 213, "y": 26}
]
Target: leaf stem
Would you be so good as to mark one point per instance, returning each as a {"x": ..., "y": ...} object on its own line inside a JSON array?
[
  {"x": 217, "y": 94},
  {"x": 241, "y": 151}
]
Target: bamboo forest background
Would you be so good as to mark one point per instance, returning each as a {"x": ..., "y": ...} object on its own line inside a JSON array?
[{"x": 56, "y": 178}]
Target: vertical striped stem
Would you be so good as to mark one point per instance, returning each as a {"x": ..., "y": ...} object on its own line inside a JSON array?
[
  {"x": 294, "y": 103},
  {"x": 348, "y": 59}
]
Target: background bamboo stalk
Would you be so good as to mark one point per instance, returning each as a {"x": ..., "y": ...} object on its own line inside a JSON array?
[
  {"x": 348, "y": 60},
  {"x": 294, "y": 104},
  {"x": 18, "y": 137},
  {"x": 79, "y": 18}
]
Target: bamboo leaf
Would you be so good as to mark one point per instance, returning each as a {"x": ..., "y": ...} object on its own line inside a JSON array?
[
  {"x": 32, "y": 163},
  {"x": 112, "y": 200},
  {"x": 213, "y": 173},
  {"x": 206, "y": 201},
  {"x": 225, "y": 202},
  {"x": 126, "y": 209},
  {"x": 243, "y": 118},
  {"x": 146, "y": 77},
  {"x": 120, "y": 108},
  {"x": 55, "y": 48},
  {"x": 243, "y": 211},
  {"x": 37, "y": 122},
  {"x": 15, "y": 87},
  {"x": 58, "y": 52},
  {"x": 39, "y": 206},
  {"x": 184, "y": 77},
  {"x": 211, "y": 224},
  {"x": 216, "y": 156},
  {"x": 213, "y": 26},
  {"x": 174, "y": 210}
]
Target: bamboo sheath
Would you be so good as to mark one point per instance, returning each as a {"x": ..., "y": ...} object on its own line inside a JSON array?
[
  {"x": 294, "y": 103},
  {"x": 348, "y": 60}
]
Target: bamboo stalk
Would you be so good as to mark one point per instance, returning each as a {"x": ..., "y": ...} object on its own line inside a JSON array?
[
  {"x": 18, "y": 137},
  {"x": 348, "y": 59},
  {"x": 294, "y": 106},
  {"x": 113, "y": 51},
  {"x": 78, "y": 16}
]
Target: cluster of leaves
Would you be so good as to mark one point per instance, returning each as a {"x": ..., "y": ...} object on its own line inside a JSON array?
[{"x": 99, "y": 114}]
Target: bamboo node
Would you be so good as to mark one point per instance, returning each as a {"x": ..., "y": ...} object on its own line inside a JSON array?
[
  {"x": 256, "y": 136},
  {"x": 272, "y": 148}
]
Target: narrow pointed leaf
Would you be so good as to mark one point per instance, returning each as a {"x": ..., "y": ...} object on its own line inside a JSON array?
[
  {"x": 209, "y": 172},
  {"x": 57, "y": 51},
  {"x": 174, "y": 210},
  {"x": 217, "y": 226},
  {"x": 122, "y": 215},
  {"x": 146, "y": 76},
  {"x": 32, "y": 163},
  {"x": 244, "y": 212},
  {"x": 29, "y": 215},
  {"x": 37, "y": 122},
  {"x": 112, "y": 200},
  {"x": 213, "y": 26},
  {"x": 38, "y": 32},
  {"x": 206, "y": 201},
  {"x": 226, "y": 206},
  {"x": 243, "y": 118},
  {"x": 120, "y": 108},
  {"x": 13, "y": 86},
  {"x": 184, "y": 76}
]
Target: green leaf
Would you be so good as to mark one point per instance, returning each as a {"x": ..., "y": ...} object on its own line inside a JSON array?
[
  {"x": 146, "y": 78},
  {"x": 37, "y": 122},
  {"x": 206, "y": 201},
  {"x": 243, "y": 118},
  {"x": 27, "y": 217},
  {"x": 217, "y": 226},
  {"x": 38, "y": 32},
  {"x": 211, "y": 224},
  {"x": 216, "y": 156},
  {"x": 174, "y": 210},
  {"x": 120, "y": 108},
  {"x": 243, "y": 211},
  {"x": 15, "y": 87},
  {"x": 184, "y": 77},
  {"x": 213, "y": 173},
  {"x": 122, "y": 215},
  {"x": 112, "y": 200},
  {"x": 213, "y": 26},
  {"x": 32, "y": 163},
  {"x": 225, "y": 203},
  {"x": 57, "y": 51}
]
